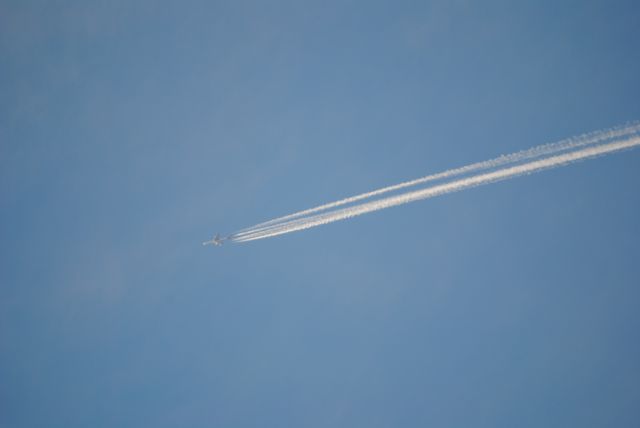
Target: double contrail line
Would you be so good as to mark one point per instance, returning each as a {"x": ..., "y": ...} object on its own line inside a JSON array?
[{"x": 504, "y": 167}]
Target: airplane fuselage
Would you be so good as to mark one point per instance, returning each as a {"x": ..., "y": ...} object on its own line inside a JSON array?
[{"x": 217, "y": 241}]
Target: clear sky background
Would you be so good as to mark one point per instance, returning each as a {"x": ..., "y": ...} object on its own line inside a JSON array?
[{"x": 132, "y": 131}]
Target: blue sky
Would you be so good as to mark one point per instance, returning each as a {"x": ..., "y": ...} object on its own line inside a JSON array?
[{"x": 130, "y": 133}]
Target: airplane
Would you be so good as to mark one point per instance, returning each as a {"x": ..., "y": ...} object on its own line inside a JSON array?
[{"x": 217, "y": 241}]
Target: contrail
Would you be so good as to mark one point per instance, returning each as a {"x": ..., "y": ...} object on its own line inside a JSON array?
[
  {"x": 536, "y": 152},
  {"x": 557, "y": 160}
]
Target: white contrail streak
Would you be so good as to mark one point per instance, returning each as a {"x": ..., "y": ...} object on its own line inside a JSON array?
[
  {"x": 536, "y": 152},
  {"x": 440, "y": 189}
]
